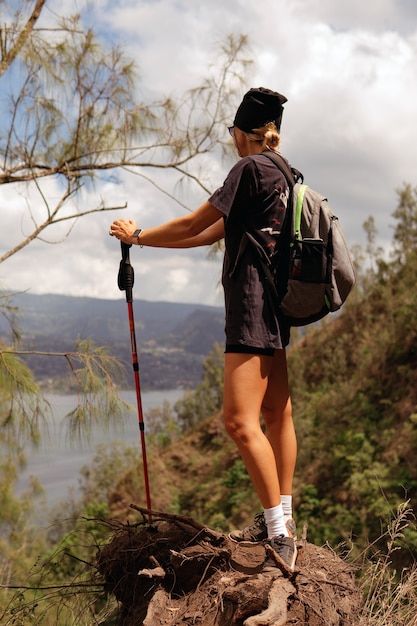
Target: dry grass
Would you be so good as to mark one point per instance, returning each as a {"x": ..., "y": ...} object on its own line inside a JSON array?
[{"x": 390, "y": 597}]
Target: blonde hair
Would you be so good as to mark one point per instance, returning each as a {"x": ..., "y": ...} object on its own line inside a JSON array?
[{"x": 268, "y": 135}]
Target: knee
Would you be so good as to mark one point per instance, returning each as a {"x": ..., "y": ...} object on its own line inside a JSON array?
[
  {"x": 232, "y": 427},
  {"x": 236, "y": 428}
]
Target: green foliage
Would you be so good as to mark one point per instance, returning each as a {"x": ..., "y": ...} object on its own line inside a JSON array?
[
  {"x": 162, "y": 427},
  {"x": 98, "y": 479},
  {"x": 79, "y": 93},
  {"x": 405, "y": 233},
  {"x": 345, "y": 420},
  {"x": 354, "y": 391},
  {"x": 354, "y": 378},
  {"x": 21, "y": 406},
  {"x": 57, "y": 576},
  {"x": 207, "y": 398},
  {"x": 95, "y": 373},
  {"x": 16, "y": 531},
  {"x": 354, "y": 388},
  {"x": 56, "y": 587},
  {"x": 70, "y": 113},
  {"x": 21, "y": 410},
  {"x": 10, "y": 312},
  {"x": 77, "y": 545},
  {"x": 238, "y": 484}
]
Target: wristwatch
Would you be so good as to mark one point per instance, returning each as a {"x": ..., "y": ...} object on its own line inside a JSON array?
[{"x": 137, "y": 235}]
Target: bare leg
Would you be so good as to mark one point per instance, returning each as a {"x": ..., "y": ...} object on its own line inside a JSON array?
[
  {"x": 277, "y": 414},
  {"x": 245, "y": 385}
]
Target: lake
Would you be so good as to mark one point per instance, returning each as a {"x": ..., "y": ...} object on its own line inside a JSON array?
[{"x": 56, "y": 462}]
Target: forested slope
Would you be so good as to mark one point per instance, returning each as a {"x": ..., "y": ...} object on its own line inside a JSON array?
[
  {"x": 354, "y": 388},
  {"x": 353, "y": 383}
]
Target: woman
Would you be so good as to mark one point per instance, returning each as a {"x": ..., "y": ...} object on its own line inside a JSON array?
[{"x": 248, "y": 211}]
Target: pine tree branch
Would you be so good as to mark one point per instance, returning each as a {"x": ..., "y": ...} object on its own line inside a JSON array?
[{"x": 22, "y": 38}]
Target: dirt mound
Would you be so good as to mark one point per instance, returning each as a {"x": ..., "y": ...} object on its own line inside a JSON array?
[{"x": 173, "y": 571}]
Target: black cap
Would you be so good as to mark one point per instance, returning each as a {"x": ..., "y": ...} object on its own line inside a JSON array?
[{"x": 258, "y": 107}]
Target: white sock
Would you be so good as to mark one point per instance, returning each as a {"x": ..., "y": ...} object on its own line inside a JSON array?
[
  {"x": 286, "y": 502},
  {"x": 274, "y": 518}
]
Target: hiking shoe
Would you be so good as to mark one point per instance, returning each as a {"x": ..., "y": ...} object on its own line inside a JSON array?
[
  {"x": 256, "y": 532},
  {"x": 284, "y": 553},
  {"x": 259, "y": 532}
]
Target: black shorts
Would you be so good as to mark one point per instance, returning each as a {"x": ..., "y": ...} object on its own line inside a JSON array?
[{"x": 241, "y": 349}]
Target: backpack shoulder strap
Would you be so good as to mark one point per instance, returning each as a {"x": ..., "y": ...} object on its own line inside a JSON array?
[
  {"x": 301, "y": 190},
  {"x": 276, "y": 292},
  {"x": 291, "y": 174}
]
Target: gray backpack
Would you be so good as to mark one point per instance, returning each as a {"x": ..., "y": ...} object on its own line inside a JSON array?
[{"x": 312, "y": 273}]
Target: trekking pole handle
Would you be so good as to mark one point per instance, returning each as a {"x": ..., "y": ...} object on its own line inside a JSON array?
[{"x": 126, "y": 276}]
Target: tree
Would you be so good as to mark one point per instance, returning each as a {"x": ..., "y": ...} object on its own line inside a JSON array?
[
  {"x": 374, "y": 252},
  {"x": 71, "y": 119},
  {"x": 70, "y": 113},
  {"x": 405, "y": 233},
  {"x": 71, "y": 116}
]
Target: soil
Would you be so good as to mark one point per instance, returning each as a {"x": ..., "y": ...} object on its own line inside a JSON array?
[{"x": 171, "y": 571}]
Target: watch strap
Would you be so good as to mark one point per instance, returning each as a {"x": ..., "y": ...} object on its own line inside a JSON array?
[{"x": 136, "y": 234}]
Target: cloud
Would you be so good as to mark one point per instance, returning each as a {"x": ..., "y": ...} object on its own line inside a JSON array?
[
  {"x": 349, "y": 72},
  {"x": 376, "y": 16}
]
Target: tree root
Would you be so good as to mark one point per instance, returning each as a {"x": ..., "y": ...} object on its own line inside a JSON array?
[{"x": 172, "y": 571}]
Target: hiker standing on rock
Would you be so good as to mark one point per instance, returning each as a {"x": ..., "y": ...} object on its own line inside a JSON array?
[{"x": 253, "y": 199}]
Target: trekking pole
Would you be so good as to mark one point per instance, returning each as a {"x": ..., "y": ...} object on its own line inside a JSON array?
[{"x": 125, "y": 282}]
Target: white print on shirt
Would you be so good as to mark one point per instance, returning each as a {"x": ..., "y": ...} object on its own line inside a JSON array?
[
  {"x": 270, "y": 231},
  {"x": 284, "y": 197}
]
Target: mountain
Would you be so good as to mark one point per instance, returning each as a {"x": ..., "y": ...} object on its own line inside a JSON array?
[{"x": 173, "y": 339}]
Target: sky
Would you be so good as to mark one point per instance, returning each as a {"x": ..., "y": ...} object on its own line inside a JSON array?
[{"x": 349, "y": 71}]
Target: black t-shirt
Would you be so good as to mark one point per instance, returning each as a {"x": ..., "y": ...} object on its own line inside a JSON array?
[{"x": 253, "y": 199}]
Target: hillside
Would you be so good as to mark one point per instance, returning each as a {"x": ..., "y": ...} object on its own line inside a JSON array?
[
  {"x": 354, "y": 388},
  {"x": 172, "y": 338}
]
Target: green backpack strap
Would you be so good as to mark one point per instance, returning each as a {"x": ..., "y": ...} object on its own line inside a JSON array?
[{"x": 298, "y": 211}]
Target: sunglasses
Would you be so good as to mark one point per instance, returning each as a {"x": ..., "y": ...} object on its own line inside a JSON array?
[{"x": 231, "y": 130}]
